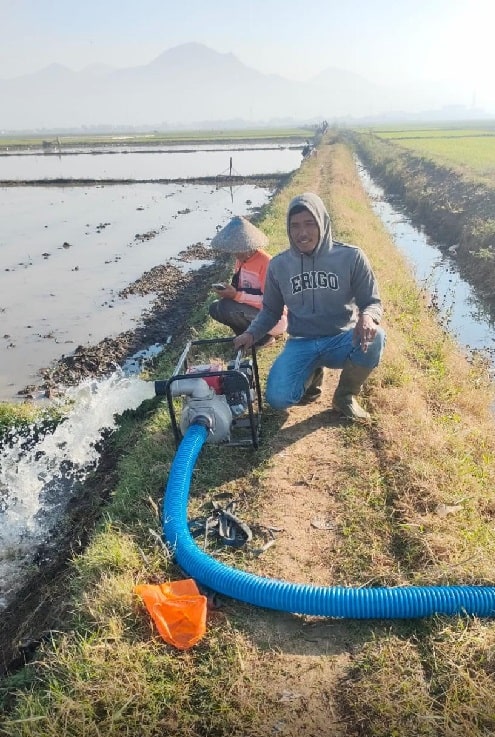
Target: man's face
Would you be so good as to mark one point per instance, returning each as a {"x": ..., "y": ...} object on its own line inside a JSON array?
[{"x": 304, "y": 231}]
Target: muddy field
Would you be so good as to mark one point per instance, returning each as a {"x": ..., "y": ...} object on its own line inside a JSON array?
[
  {"x": 75, "y": 251},
  {"x": 173, "y": 290},
  {"x": 41, "y": 605},
  {"x": 176, "y": 296}
]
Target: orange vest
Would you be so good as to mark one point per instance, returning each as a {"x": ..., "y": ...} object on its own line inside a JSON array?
[{"x": 252, "y": 276}]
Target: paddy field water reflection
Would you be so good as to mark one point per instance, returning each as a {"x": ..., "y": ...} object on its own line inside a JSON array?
[{"x": 65, "y": 252}]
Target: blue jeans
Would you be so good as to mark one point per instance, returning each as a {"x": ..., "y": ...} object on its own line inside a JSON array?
[{"x": 301, "y": 356}]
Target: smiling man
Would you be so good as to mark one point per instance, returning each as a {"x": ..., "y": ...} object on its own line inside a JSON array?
[{"x": 334, "y": 310}]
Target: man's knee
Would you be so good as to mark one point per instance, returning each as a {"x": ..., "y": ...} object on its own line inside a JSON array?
[
  {"x": 277, "y": 395},
  {"x": 277, "y": 401}
]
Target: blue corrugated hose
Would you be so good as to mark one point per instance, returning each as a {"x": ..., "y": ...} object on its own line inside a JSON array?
[{"x": 333, "y": 601}]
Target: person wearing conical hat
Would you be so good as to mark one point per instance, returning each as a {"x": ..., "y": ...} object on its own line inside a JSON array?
[{"x": 240, "y": 301}]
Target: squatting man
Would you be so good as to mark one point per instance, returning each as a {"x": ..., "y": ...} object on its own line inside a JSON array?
[{"x": 333, "y": 307}]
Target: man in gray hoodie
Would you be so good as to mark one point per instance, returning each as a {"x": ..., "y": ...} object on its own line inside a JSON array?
[{"x": 334, "y": 311}]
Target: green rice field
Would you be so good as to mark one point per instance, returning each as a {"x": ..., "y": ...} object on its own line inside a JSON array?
[
  {"x": 470, "y": 150},
  {"x": 162, "y": 137}
]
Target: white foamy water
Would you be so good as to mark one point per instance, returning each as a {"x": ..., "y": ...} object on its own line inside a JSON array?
[{"x": 37, "y": 483}]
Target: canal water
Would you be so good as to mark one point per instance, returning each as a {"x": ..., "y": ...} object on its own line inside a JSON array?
[{"x": 460, "y": 311}]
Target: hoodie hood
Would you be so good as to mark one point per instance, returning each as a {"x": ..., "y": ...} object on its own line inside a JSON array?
[{"x": 314, "y": 204}]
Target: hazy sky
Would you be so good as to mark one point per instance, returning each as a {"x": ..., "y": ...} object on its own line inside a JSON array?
[{"x": 383, "y": 40}]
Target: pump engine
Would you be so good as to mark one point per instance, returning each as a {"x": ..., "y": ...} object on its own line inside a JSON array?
[{"x": 221, "y": 393}]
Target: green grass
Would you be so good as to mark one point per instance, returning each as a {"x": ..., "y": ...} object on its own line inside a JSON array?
[
  {"x": 12, "y": 414},
  {"x": 165, "y": 137},
  {"x": 463, "y": 148},
  {"x": 431, "y": 129},
  {"x": 23, "y": 417},
  {"x": 411, "y": 133},
  {"x": 475, "y": 152}
]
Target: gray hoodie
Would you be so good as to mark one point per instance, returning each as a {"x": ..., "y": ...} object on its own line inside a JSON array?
[{"x": 323, "y": 291}]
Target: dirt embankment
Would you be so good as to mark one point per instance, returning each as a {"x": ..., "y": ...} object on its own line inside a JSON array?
[
  {"x": 456, "y": 212},
  {"x": 53, "y": 148},
  {"x": 261, "y": 180}
]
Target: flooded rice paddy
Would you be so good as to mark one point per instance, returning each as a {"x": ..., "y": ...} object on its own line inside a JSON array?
[
  {"x": 147, "y": 163},
  {"x": 67, "y": 251}
]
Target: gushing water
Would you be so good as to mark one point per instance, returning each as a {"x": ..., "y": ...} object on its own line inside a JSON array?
[{"x": 40, "y": 474}]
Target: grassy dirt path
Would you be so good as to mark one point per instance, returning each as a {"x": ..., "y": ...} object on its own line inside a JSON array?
[{"x": 300, "y": 660}]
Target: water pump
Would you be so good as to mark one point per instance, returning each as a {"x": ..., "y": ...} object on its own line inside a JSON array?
[{"x": 222, "y": 393}]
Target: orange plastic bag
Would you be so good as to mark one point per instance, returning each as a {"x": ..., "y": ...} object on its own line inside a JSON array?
[{"x": 178, "y": 610}]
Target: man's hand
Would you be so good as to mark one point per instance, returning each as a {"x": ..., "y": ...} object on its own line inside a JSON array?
[
  {"x": 228, "y": 293},
  {"x": 365, "y": 331},
  {"x": 244, "y": 340}
]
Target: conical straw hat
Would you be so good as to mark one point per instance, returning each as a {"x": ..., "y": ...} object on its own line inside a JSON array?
[{"x": 239, "y": 236}]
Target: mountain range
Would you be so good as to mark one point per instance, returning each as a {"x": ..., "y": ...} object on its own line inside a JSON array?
[{"x": 192, "y": 85}]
